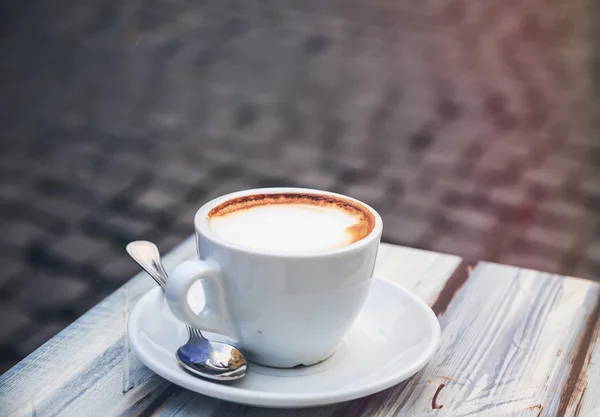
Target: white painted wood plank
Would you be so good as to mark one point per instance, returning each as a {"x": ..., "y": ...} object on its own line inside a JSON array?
[
  {"x": 86, "y": 368},
  {"x": 423, "y": 272},
  {"x": 505, "y": 346},
  {"x": 503, "y": 332}
]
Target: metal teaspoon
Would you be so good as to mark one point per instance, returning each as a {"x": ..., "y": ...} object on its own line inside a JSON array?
[{"x": 212, "y": 360}]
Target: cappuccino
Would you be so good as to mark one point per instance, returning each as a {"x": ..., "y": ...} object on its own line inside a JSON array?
[{"x": 291, "y": 222}]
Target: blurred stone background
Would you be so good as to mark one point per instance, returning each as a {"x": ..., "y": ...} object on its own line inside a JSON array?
[{"x": 470, "y": 126}]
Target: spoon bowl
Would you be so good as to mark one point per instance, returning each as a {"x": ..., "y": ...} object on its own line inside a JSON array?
[{"x": 223, "y": 361}]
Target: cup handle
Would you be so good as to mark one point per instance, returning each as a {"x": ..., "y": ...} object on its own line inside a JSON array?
[{"x": 214, "y": 317}]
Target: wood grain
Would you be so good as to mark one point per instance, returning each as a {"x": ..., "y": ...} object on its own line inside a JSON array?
[
  {"x": 514, "y": 342},
  {"x": 507, "y": 340}
]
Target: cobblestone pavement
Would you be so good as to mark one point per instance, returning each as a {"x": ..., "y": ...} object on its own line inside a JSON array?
[{"x": 470, "y": 128}]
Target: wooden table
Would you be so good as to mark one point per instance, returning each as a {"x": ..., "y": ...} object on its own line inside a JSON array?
[{"x": 514, "y": 342}]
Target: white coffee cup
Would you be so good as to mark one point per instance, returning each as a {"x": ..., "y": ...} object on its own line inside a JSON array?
[{"x": 283, "y": 309}]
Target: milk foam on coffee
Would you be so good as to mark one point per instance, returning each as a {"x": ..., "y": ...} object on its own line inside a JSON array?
[{"x": 291, "y": 224}]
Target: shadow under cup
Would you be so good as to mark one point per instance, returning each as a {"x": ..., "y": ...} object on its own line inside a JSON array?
[{"x": 283, "y": 309}]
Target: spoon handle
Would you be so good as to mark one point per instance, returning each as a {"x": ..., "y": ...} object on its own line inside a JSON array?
[{"x": 147, "y": 256}]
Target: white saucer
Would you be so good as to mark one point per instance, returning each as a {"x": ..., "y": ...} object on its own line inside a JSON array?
[{"x": 393, "y": 337}]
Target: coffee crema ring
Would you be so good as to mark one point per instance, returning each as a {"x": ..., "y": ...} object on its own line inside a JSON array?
[{"x": 365, "y": 220}]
